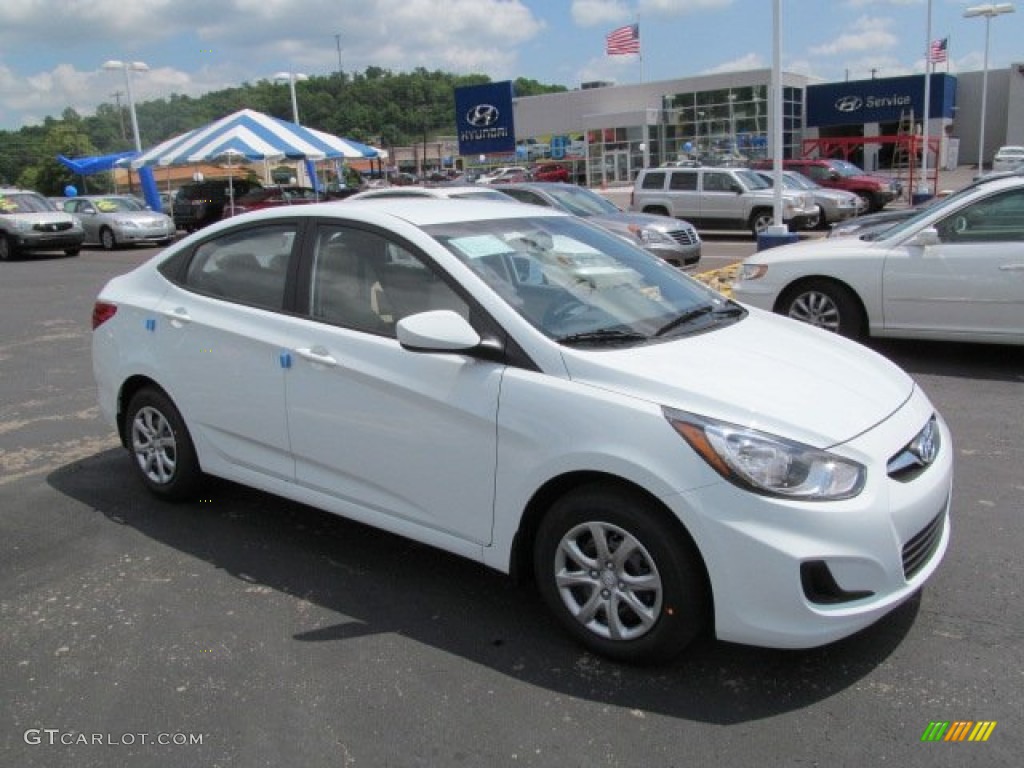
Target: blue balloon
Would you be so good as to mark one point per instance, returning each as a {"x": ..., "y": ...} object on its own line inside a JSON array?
[
  {"x": 70, "y": 190},
  {"x": 688, "y": 146}
]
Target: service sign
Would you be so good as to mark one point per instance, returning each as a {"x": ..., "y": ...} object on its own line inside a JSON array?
[
  {"x": 483, "y": 117},
  {"x": 885, "y": 100}
]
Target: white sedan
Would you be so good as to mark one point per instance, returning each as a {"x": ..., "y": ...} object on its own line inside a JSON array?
[
  {"x": 520, "y": 387},
  {"x": 954, "y": 271}
]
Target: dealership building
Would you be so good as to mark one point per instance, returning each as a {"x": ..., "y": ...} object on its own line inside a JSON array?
[{"x": 609, "y": 132}]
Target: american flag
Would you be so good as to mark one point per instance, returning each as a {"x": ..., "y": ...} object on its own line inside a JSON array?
[
  {"x": 937, "y": 50},
  {"x": 623, "y": 40}
]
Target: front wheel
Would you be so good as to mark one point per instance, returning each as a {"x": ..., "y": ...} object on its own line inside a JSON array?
[
  {"x": 107, "y": 239},
  {"x": 6, "y": 249},
  {"x": 162, "y": 449},
  {"x": 760, "y": 221},
  {"x": 72, "y": 251},
  {"x": 620, "y": 575},
  {"x": 824, "y": 304}
]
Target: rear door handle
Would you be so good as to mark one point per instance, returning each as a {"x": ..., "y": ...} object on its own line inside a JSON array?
[{"x": 318, "y": 355}]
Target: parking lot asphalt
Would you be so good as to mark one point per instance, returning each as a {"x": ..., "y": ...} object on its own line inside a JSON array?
[{"x": 244, "y": 630}]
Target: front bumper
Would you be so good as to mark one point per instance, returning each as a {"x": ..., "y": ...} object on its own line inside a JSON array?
[
  {"x": 676, "y": 255},
  {"x": 150, "y": 234},
  {"x": 879, "y": 548},
  {"x": 48, "y": 241}
]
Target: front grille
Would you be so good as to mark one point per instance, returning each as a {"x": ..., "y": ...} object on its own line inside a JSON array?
[
  {"x": 920, "y": 548},
  {"x": 52, "y": 226},
  {"x": 684, "y": 236}
]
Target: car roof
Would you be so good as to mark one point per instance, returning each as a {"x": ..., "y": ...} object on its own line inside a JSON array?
[
  {"x": 420, "y": 212},
  {"x": 422, "y": 193}
]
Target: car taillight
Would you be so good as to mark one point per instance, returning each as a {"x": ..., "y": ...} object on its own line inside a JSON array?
[{"x": 101, "y": 312}]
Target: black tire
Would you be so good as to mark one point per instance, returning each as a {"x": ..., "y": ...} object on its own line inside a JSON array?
[
  {"x": 72, "y": 251},
  {"x": 824, "y": 304},
  {"x": 872, "y": 204},
  {"x": 107, "y": 239},
  {"x": 760, "y": 220},
  {"x": 160, "y": 446},
  {"x": 650, "y": 623},
  {"x": 6, "y": 249},
  {"x": 822, "y": 219}
]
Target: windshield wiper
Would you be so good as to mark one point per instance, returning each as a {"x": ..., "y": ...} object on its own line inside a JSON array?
[
  {"x": 602, "y": 336},
  {"x": 684, "y": 318}
]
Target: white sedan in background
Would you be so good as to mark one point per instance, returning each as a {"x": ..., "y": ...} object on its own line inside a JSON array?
[
  {"x": 520, "y": 387},
  {"x": 954, "y": 271}
]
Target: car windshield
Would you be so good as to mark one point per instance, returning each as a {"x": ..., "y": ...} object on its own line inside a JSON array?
[
  {"x": 843, "y": 168},
  {"x": 117, "y": 204},
  {"x": 26, "y": 202},
  {"x": 752, "y": 180},
  {"x": 799, "y": 181},
  {"x": 582, "y": 202},
  {"x": 581, "y": 285}
]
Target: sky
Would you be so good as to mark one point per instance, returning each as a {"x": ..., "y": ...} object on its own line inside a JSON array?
[{"x": 52, "y": 51}]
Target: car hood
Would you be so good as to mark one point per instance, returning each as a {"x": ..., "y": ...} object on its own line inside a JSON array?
[
  {"x": 624, "y": 221},
  {"x": 45, "y": 217},
  {"x": 765, "y": 372}
]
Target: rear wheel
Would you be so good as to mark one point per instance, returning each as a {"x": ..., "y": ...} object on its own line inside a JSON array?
[
  {"x": 162, "y": 449},
  {"x": 72, "y": 251},
  {"x": 619, "y": 575},
  {"x": 656, "y": 210},
  {"x": 824, "y": 304}
]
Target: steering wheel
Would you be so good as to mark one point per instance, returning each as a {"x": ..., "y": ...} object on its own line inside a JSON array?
[{"x": 564, "y": 311}]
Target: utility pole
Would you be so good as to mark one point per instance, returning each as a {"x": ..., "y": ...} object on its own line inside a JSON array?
[
  {"x": 337, "y": 42},
  {"x": 120, "y": 113}
]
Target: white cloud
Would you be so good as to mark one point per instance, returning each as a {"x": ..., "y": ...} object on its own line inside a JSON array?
[
  {"x": 591, "y": 13},
  {"x": 868, "y": 34},
  {"x": 749, "y": 61}
]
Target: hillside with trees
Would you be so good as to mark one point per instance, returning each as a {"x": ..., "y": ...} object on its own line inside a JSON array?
[{"x": 376, "y": 106}]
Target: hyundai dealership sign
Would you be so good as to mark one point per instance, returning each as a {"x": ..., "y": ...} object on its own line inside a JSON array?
[
  {"x": 483, "y": 117},
  {"x": 878, "y": 101}
]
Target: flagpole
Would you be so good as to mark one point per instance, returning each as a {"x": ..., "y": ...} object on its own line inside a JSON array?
[{"x": 923, "y": 186}]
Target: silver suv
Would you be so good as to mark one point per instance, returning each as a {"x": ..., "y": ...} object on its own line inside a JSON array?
[
  {"x": 29, "y": 222},
  {"x": 719, "y": 198}
]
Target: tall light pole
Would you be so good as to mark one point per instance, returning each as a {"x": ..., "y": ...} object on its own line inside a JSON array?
[
  {"x": 291, "y": 78},
  {"x": 988, "y": 10},
  {"x": 129, "y": 67}
]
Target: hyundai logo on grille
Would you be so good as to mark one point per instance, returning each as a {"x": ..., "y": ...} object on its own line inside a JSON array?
[
  {"x": 482, "y": 115},
  {"x": 849, "y": 103}
]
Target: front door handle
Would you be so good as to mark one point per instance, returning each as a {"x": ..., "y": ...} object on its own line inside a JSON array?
[
  {"x": 178, "y": 316},
  {"x": 318, "y": 355}
]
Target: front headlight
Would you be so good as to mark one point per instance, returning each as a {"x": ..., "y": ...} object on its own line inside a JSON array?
[
  {"x": 652, "y": 236},
  {"x": 766, "y": 464},
  {"x": 753, "y": 271},
  {"x": 127, "y": 223}
]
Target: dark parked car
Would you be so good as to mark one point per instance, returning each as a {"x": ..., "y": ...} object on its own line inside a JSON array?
[
  {"x": 202, "y": 202},
  {"x": 271, "y": 197}
]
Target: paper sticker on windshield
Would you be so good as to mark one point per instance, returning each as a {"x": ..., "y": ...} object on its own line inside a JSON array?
[{"x": 479, "y": 246}]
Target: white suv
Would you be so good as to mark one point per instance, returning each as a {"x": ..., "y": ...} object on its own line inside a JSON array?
[{"x": 719, "y": 198}]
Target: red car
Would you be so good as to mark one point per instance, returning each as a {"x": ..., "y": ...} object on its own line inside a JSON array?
[
  {"x": 271, "y": 197},
  {"x": 551, "y": 172}
]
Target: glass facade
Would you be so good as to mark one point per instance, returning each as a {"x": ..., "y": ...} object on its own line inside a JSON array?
[{"x": 721, "y": 127}]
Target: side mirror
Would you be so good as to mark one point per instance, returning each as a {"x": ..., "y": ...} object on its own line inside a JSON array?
[
  {"x": 924, "y": 238},
  {"x": 440, "y": 330}
]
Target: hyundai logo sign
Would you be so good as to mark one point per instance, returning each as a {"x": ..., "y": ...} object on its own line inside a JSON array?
[
  {"x": 849, "y": 103},
  {"x": 482, "y": 116}
]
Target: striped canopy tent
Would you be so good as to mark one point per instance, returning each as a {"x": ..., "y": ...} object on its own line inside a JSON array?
[{"x": 254, "y": 136}]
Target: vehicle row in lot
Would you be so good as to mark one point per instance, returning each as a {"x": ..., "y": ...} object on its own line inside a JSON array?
[
  {"x": 875, "y": 191},
  {"x": 834, "y": 205},
  {"x": 674, "y": 241},
  {"x": 30, "y": 224},
  {"x": 953, "y": 270},
  {"x": 515, "y": 385}
]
